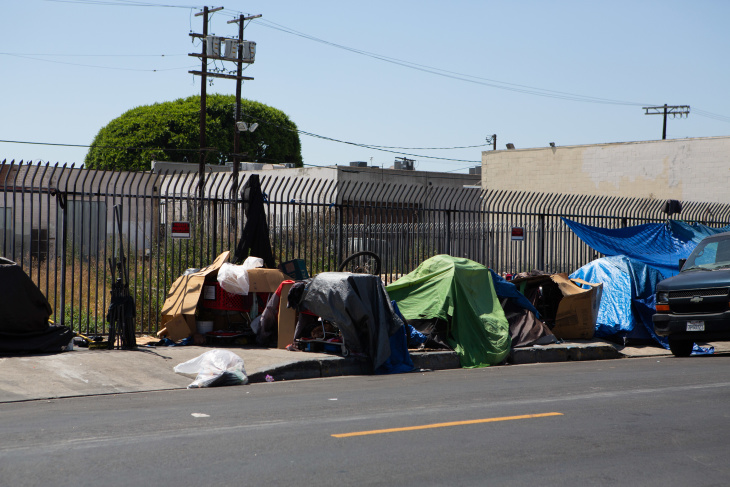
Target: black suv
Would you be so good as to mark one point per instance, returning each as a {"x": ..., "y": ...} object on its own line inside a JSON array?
[{"x": 695, "y": 304}]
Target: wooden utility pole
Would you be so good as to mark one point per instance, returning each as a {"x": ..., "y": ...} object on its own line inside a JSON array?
[
  {"x": 667, "y": 110},
  {"x": 204, "y": 75},
  {"x": 492, "y": 140},
  {"x": 203, "y": 98},
  {"x": 239, "y": 79}
]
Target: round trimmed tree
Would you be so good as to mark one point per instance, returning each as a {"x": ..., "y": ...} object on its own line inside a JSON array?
[{"x": 170, "y": 131}]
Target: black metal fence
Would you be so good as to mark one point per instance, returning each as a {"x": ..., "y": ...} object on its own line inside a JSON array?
[{"x": 57, "y": 223}]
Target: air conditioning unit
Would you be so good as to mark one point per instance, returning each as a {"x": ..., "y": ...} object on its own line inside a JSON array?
[
  {"x": 359, "y": 164},
  {"x": 405, "y": 164}
]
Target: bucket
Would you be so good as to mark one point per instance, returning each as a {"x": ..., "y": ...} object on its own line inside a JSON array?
[{"x": 204, "y": 327}]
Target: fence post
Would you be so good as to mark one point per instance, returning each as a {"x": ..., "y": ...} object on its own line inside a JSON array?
[
  {"x": 340, "y": 236},
  {"x": 541, "y": 242},
  {"x": 448, "y": 232},
  {"x": 215, "y": 227},
  {"x": 64, "y": 236}
]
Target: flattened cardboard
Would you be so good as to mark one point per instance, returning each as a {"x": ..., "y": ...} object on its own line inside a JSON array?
[
  {"x": 176, "y": 329},
  {"x": 185, "y": 293},
  {"x": 287, "y": 319}
]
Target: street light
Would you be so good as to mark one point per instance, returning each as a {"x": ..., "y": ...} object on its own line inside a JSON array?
[{"x": 245, "y": 127}]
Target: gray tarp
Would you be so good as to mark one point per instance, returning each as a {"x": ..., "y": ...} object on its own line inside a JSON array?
[{"x": 359, "y": 306}]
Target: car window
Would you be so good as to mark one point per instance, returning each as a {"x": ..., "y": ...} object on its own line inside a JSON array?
[
  {"x": 722, "y": 257},
  {"x": 703, "y": 256}
]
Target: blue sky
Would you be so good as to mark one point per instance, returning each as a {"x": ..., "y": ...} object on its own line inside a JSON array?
[{"x": 532, "y": 72}]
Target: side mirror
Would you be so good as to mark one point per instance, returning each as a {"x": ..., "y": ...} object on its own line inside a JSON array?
[{"x": 681, "y": 263}]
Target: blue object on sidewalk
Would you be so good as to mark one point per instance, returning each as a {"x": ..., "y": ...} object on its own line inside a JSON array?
[{"x": 399, "y": 360}]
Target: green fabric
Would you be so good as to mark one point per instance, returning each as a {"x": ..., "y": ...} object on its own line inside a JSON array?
[{"x": 459, "y": 291}]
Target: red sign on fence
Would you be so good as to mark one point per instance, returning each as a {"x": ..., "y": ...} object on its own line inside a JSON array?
[{"x": 180, "y": 230}]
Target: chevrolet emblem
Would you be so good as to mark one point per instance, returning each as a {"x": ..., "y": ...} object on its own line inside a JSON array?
[{"x": 696, "y": 299}]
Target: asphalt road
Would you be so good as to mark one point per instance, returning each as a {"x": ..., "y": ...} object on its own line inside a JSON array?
[{"x": 613, "y": 422}]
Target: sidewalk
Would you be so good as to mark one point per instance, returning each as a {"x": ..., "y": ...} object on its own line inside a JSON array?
[{"x": 84, "y": 372}]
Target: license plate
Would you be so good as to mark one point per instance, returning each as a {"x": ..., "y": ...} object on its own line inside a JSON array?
[{"x": 695, "y": 326}]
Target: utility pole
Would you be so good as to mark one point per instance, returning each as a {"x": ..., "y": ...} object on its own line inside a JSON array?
[
  {"x": 492, "y": 140},
  {"x": 203, "y": 97},
  {"x": 667, "y": 110},
  {"x": 211, "y": 49},
  {"x": 239, "y": 69}
]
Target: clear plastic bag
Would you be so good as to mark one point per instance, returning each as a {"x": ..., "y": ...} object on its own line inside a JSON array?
[
  {"x": 214, "y": 368},
  {"x": 234, "y": 278}
]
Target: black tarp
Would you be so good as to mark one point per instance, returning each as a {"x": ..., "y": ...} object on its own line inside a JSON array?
[
  {"x": 255, "y": 236},
  {"x": 24, "y": 313},
  {"x": 359, "y": 306}
]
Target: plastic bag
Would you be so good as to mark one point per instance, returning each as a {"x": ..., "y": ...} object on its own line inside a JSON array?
[
  {"x": 234, "y": 278},
  {"x": 214, "y": 368}
]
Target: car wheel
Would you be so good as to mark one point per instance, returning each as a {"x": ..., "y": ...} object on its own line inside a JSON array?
[{"x": 681, "y": 348}]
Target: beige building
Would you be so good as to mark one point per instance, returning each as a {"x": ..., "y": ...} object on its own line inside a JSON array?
[{"x": 695, "y": 169}]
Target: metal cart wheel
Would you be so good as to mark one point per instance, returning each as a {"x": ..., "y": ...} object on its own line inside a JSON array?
[{"x": 364, "y": 262}]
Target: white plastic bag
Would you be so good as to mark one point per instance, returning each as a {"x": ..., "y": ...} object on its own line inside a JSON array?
[
  {"x": 214, "y": 368},
  {"x": 234, "y": 278}
]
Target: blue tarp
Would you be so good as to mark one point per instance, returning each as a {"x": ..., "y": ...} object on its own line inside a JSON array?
[
  {"x": 659, "y": 245},
  {"x": 627, "y": 302},
  {"x": 639, "y": 257},
  {"x": 400, "y": 360},
  {"x": 506, "y": 289}
]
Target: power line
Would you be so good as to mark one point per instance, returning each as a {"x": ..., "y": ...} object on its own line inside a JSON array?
[
  {"x": 87, "y": 55},
  {"x": 124, "y": 3},
  {"x": 365, "y": 146},
  {"x": 92, "y": 146},
  {"x": 714, "y": 116},
  {"x": 530, "y": 90},
  {"x": 427, "y": 148},
  {"x": 93, "y": 65},
  {"x": 455, "y": 75},
  {"x": 214, "y": 149}
]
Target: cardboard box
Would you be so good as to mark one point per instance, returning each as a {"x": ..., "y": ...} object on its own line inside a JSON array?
[
  {"x": 185, "y": 294},
  {"x": 265, "y": 280},
  {"x": 183, "y": 297},
  {"x": 175, "y": 329},
  {"x": 577, "y": 309},
  {"x": 287, "y": 319}
]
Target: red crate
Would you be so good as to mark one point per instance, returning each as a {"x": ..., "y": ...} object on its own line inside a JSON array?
[{"x": 224, "y": 300}]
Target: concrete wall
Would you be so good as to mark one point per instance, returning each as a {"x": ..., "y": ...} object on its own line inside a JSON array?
[
  {"x": 340, "y": 173},
  {"x": 694, "y": 169}
]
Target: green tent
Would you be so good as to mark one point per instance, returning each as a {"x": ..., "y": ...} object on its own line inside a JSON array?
[{"x": 460, "y": 292}]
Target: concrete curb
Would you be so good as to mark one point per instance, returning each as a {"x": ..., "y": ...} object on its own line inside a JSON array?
[
  {"x": 315, "y": 369},
  {"x": 563, "y": 352},
  {"x": 340, "y": 366},
  {"x": 435, "y": 360}
]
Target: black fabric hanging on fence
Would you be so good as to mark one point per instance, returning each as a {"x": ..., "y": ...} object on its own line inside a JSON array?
[{"x": 255, "y": 237}]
